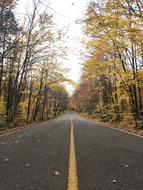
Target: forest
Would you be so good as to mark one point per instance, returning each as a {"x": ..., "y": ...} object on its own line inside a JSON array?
[
  {"x": 31, "y": 77},
  {"x": 111, "y": 86}
]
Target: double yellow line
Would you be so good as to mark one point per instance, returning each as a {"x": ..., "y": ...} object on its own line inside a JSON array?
[{"x": 72, "y": 175}]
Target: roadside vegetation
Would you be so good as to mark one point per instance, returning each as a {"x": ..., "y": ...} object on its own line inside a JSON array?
[
  {"x": 111, "y": 86},
  {"x": 31, "y": 77}
]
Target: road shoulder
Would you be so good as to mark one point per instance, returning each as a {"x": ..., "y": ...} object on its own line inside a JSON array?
[
  {"x": 124, "y": 127},
  {"x": 24, "y": 126}
]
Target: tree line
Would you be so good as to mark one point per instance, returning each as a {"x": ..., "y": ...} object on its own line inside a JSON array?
[
  {"x": 111, "y": 86},
  {"x": 31, "y": 76}
]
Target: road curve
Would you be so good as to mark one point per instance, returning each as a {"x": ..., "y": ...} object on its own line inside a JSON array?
[{"x": 70, "y": 148}]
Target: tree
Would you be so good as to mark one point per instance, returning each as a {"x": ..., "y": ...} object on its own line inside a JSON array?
[
  {"x": 8, "y": 30},
  {"x": 30, "y": 68},
  {"x": 114, "y": 30}
]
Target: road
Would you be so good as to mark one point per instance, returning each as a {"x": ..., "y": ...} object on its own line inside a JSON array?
[{"x": 71, "y": 153}]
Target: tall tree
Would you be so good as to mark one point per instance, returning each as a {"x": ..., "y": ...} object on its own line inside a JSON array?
[{"x": 114, "y": 30}]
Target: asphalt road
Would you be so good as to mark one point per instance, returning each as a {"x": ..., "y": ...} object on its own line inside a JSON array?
[{"x": 37, "y": 158}]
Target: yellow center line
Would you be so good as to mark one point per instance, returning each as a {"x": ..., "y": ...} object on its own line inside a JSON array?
[{"x": 72, "y": 175}]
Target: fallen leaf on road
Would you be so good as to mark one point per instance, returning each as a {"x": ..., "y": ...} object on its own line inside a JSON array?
[{"x": 57, "y": 173}]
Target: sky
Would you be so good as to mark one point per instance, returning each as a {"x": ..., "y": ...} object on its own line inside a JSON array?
[{"x": 65, "y": 14}]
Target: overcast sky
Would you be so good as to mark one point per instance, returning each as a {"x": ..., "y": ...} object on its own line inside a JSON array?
[{"x": 66, "y": 13}]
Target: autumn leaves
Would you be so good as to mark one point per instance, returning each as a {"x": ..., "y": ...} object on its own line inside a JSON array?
[
  {"x": 31, "y": 78},
  {"x": 111, "y": 84}
]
